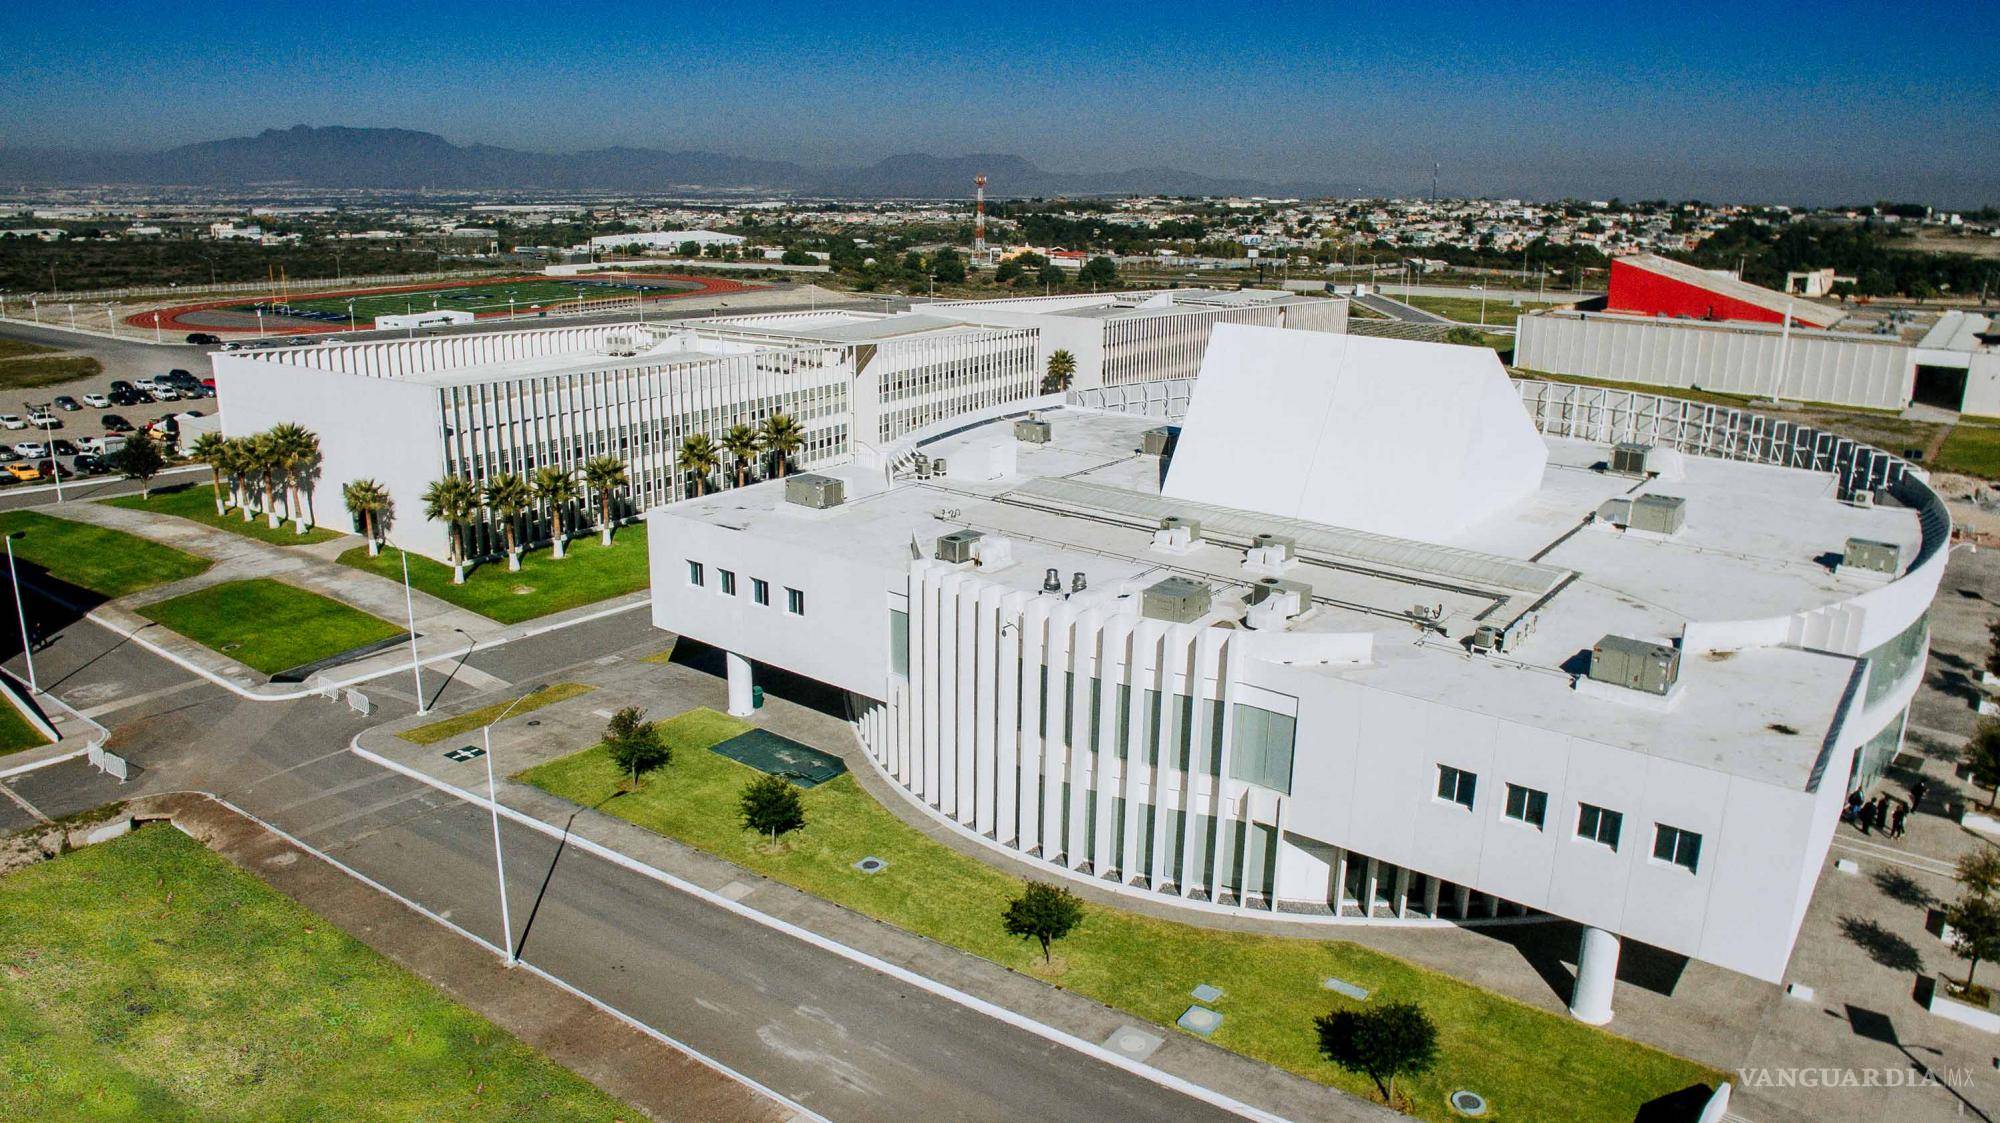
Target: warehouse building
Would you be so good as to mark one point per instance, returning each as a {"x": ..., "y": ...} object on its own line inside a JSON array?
[
  {"x": 1649, "y": 285},
  {"x": 1372, "y": 637}
]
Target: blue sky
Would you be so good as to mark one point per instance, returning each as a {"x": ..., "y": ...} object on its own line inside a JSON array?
[{"x": 1737, "y": 101}]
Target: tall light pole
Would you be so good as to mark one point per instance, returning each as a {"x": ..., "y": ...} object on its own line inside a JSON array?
[
  {"x": 156, "y": 327},
  {"x": 410, "y": 606},
  {"x": 21, "y": 612},
  {"x": 493, "y": 805},
  {"x": 48, "y": 415}
]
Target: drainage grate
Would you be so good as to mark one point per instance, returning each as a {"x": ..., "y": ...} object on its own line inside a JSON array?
[
  {"x": 1198, "y": 1019},
  {"x": 871, "y": 865},
  {"x": 465, "y": 753},
  {"x": 1468, "y": 1103},
  {"x": 1206, "y": 993}
]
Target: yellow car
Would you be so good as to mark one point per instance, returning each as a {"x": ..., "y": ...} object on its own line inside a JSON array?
[{"x": 24, "y": 472}]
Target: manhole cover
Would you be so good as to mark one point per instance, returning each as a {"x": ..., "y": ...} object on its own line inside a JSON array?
[
  {"x": 1199, "y": 1020},
  {"x": 522, "y": 590},
  {"x": 871, "y": 865},
  {"x": 534, "y": 723},
  {"x": 1206, "y": 993},
  {"x": 1468, "y": 1103}
]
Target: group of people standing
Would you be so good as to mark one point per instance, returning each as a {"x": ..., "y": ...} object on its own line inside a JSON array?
[{"x": 1883, "y": 814}]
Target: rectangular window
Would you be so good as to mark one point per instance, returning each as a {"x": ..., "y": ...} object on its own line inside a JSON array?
[
  {"x": 760, "y": 590},
  {"x": 1456, "y": 785},
  {"x": 695, "y": 575},
  {"x": 728, "y": 578},
  {"x": 1672, "y": 844},
  {"x": 1261, "y": 748},
  {"x": 1599, "y": 825},
  {"x": 795, "y": 602},
  {"x": 899, "y": 642},
  {"x": 1527, "y": 805}
]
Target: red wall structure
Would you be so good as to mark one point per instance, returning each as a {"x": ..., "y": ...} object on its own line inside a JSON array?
[{"x": 1637, "y": 289}]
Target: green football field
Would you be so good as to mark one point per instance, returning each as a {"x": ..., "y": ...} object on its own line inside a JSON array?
[{"x": 527, "y": 294}]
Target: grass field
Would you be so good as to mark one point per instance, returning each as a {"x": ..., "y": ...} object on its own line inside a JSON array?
[
  {"x": 1528, "y": 1063},
  {"x": 1973, "y": 450},
  {"x": 197, "y": 502},
  {"x": 591, "y": 573},
  {"x": 107, "y": 562},
  {"x": 46, "y": 370},
  {"x": 147, "y": 978},
  {"x": 467, "y": 722},
  {"x": 15, "y": 732},
  {"x": 16, "y": 348},
  {"x": 527, "y": 294},
  {"x": 268, "y": 625},
  {"x": 1499, "y": 312}
]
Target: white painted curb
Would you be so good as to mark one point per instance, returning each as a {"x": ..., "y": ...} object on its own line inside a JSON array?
[{"x": 902, "y": 974}]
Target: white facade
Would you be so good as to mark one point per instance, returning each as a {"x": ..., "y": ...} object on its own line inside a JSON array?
[
  {"x": 1757, "y": 360},
  {"x": 665, "y": 239},
  {"x": 1338, "y": 752},
  {"x": 436, "y": 317}
]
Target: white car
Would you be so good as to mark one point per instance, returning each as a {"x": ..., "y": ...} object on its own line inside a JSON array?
[
  {"x": 12, "y": 421},
  {"x": 97, "y": 400},
  {"x": 31, "y": 450}
]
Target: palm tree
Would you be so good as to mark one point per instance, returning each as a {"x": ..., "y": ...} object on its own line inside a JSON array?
[
  {"x": 297, "y": 452},
  {"x": 698, "y": 455},
  {"x": 266, "y": 461},
  {"x": 214, "y": 449},
  {"x": 604, "y": 475},
  {"x": 236, "y": 460},
  {"x": 367, "y": 499},
  {"x": 555, "y": 487},
  {"x": 742, "y": 442},
  {"x": 509, "y": 497},
  {"x": 782, "y": 437},
  {"x": 1062, "y": 368},
  {"x": 453, "y": 501}
]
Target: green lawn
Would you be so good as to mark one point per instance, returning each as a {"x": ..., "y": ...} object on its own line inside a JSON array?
[
  {"x": 467, "y": 722},
  {"x": 527, "y": 294},
  {"x": 1529, "y": 1064},
  {"x": 49, "y": 370},
  {"x": 268, "y": 625},
  {"x": 15, "y": 732},
  {"x": 197, "y": 502},
  {"x": 1973, "y": 450},
  {"x": 148, "y": 979},
  {"x": 108, "y": 562},
  {"x": 1500, "y": 311},
  {"x": 17, "y": 348},
  {"x": 589, "y": 574}
]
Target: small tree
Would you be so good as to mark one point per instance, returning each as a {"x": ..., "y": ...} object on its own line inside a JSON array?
[
  {"x": 212, "y": 448},
  {"x": 140, "y": 460},
  {"x": 636, "y": 744},
  {"x": 604, "y": 475},
  {"x": 1982, "y": 759},
  {"x": 1098, "y": 271},
  {"x": 771, "y": 806},
  {"x": 1397, "y": 1039},
  {"x": 1062, "y": 368},
  {"x": 1975, "y": 930},
  {"x": 1045, "y": 913},
  {"x": 698, "y": 457},
  {"x": 367, "y": 500},
  {"x": 782, "y": 437}
]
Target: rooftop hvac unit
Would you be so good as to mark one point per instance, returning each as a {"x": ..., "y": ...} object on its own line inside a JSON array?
[
  {"x": 1617, "y": 512},
  {"x": 1032, "y": 430},
  {"x": 1266, "y": 588},
  {"x": 1485, "y": 639},
  {"x": 1629, "y": 457},
  {"x": 1177, "y": 533},
  {"x": 956, "y": 547},
  {"x": 815, "y": 491},
  {"x": 1635, "y": 664},
  {"x": 1157, "y": 442},
  {"x": 1289, "y": 545},
  {"x": 1658, "y": 514},
  {"x": 1175, "y": 599},
  {"x": 1873, "y": 556},
  {"x": 623, "y": 344}
]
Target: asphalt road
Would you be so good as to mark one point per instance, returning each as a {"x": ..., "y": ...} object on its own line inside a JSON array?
[
  {"x": 836, "y": 1037},
  {"x": 1396, "y": 309}
]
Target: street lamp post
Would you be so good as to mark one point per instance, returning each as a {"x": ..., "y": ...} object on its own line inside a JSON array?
[
  {"x": 493, "y": 806},
  {"x": 156, "y": 327},
  {"x": 410, "y": 606},
  {"x": 21, "y": 612},
  {"x": 350, "y": 315},
  {"x": 47, "y": 410}
]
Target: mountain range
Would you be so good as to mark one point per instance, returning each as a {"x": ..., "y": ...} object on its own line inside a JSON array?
[{"x": 402, "y": 159}]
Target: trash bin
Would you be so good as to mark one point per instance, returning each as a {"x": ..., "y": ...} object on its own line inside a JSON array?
[{"x": 756, "y": 697}]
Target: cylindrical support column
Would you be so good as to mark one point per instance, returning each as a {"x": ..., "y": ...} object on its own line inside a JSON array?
[
  {"x": 739, "y": 685},
  {"x": 1596, "y": 971}
]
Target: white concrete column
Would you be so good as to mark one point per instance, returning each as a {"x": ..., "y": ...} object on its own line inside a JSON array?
[
  {"x": 1431, "y": 888},
  {"x": 739, "y": 685},
  {"x": 1464, "y": 902},
  {"x": 1596, "y": 970},
  {"x": 1339, "y": 894},
  {"x": 1401, "y": 905},
  {"x": 1368, "y": 889}
]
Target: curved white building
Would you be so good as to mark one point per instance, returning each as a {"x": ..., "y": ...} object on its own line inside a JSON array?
[{"x": 1374, "y": 643}]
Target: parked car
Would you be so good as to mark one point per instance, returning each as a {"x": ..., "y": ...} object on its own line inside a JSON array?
[
  {"x": 300, "y": 341},
  {"x": 50, "y": 470},
  {"x": 199, "y": 392},
  {"x": 26, "y": 473},
  {"x": 8, "y": 455},
  {"x": 87, "y": 464},
  {"x": 113, "y": 423},
  {"x": 232, "y": 345},
  {"x": 41, "y": 418},
  {"x": 67, "y": 404},
  {"x": 127, "y": 398},
  {"x": 203, "y": 337},
  {"x": 163, "y": 392},
  {"x": 62, "y": 447},
  {"x": 97, "y": 401},
  {"x": 12, "y": 421},
  {"x": 102, "y": 446},
  {"x": 118, "y": 384},
  {"x": 29, "y": 450}
]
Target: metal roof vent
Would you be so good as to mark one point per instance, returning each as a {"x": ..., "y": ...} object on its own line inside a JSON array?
[
  {"x": 956, "y": 547},
  {"x": 1872, "y": 556},
  {"x": 1177, "y": 600},
  {"x": 1658, "y": 514},
  {"x": 1052, "y": 581},
  {"x": 1177, "y": 534},
  {"x": 1635, "y": 664},
  {"x": 621, "y": 344},
  {"x": 1274, "y": 600},
  {"x": 1158, "y": 442},
  {"x": 1032, "y": 430},
  {"x": 1629, "y": 458},
  {"x": 815, "y": 491},
  {"x": 1267, "y": 541}
]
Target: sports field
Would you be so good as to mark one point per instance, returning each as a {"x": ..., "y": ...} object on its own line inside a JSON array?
[{"x": 522, "y": 295}]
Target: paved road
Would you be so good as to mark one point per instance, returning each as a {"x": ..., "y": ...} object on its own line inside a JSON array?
[
  {"x": 841, "y": 1039},
  {"x": 1397, "y": 310}
]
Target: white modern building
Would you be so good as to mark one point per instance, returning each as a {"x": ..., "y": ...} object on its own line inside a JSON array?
[
  {"x": 671, "y": 240},
  {"x": 1123, "y": 338},
  {"x": 1373, "y": 636}
]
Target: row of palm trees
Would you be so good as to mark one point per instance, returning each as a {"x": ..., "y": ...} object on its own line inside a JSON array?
[
  {"x": 779, "y": 436},
  {"x": 507, "y": 498},
  {"x": 260, "y": 469}
]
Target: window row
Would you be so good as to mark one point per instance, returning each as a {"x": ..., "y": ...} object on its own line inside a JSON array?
[
  {"x": 760, "y": 589},
  {"x": 1596, "y": 824}
]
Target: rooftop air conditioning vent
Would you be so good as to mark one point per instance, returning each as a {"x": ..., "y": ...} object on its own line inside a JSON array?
[
  {"x": 1629, "y": 458},
  {"x": 1160, "y": 441},
  {"x": 1635, "y": 664},
  {"x": 1177, "y": 534},
  {"x": 1289, "y": 545},
  {"x": 815, "y": 491},
  {"x": 956, "y": 547},
  {"x": 623, "y": 344},
  {"x": 1175, "y": 599},
  {"x": 1485, "y": 639},
  {"x": 1658, "y": 514},
  {"x": 1872, "y": 556},
  {"x": 1032, "y": 430}
]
